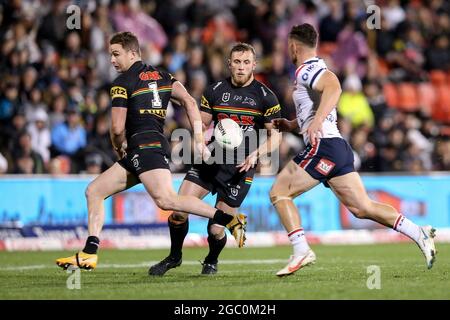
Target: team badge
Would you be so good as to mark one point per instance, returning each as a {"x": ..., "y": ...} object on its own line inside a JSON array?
[{"x": 226, "y": 97}]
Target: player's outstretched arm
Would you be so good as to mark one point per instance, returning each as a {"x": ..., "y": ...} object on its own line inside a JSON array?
[
  {"x": 285, "y": 125},
  {"x": 271, "y": 144},
  {"x": 180, "y": 94}
]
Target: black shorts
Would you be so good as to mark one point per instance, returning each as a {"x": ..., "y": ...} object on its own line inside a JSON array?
[
  {"x": 330, "y": 157},
  {"x": 230, "y": 185},
  {"x": 146, "y": 151}
]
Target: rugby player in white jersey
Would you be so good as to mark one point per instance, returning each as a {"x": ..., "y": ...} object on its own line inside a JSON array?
[{"x": 327, "y": 158}]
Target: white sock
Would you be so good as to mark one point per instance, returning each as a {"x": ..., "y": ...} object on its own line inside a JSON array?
[
  {"x": 298, "y": 241},
  {"x": 407, "y": 227}
]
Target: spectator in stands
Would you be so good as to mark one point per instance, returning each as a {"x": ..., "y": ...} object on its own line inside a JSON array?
[
  {"x": 333, "y": 22},
  {"x": 9, "y": 103},
  {"x": 98, "y": 140},
  {"x": 40, "y": 134},
  {"x": 69, "y": 137},
  {"x": 441, "y": 154},
  {"x": 376, "y": 100},
  {"x": 45, "y": 66},
  {"x": 438, "y": 55},
  {"x": 93, "y": 163},
  {"x": 26, "y": 160},
  {"x": 57, "y": 110},
  {"x": 353, "y": 104},
  {"x": 14, "y": 129}
]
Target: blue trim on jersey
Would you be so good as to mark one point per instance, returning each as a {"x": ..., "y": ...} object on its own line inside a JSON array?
[
  {"x": 315, "y": 76},
  {"x": 308, "y": 62}
]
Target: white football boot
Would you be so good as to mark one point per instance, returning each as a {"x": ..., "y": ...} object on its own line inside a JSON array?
[
  {"x": 426, "y": 244},
  {"x": 296, "y": 263}
]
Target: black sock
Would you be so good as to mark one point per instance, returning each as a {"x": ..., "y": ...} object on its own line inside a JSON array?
[
  {"x": 222, "y": 218},
  {"x": 92, "y": 244},
  {"x": 215, "y": 248},
  {"x": 177, "y": 234}
]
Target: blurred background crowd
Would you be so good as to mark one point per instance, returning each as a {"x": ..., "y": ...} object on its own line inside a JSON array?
[{"x": 54, "y": 87}]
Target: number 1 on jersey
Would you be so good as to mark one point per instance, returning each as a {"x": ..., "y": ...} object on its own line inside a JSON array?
[{"x": 156, "y": 101}]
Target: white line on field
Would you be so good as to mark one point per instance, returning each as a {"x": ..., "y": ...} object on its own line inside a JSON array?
[{"x": 144, "y": 264}]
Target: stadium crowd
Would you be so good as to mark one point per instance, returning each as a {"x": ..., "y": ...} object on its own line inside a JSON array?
[{"x": 54, "y": 88}]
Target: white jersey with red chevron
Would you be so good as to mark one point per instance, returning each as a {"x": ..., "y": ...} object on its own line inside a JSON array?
[{"x": 307, "y": 99}]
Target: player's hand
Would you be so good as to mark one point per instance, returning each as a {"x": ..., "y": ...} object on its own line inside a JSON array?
[
  {"x": 282, "y": 124},
  {"x": 314, "y": 131},
  {"x": 122, "y": 151},
  {"x": 203, "y": 150},
  {"x": 249, "y": 162}
]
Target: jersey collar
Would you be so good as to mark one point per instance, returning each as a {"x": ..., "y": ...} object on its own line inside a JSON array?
[
  {"x": 308, "y": 61},
  {"x": 311, "y": 60},
  {"x": 247, "y": 86},
  {"x": 136, "y": 65}
]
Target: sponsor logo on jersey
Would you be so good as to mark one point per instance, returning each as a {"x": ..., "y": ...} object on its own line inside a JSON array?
[
  {"x": 310, "y": 68},
  {"x": 272, "y": 110},
  {"x": 159, "y": 113},
  {"x": 325, "y": 166},
  {"x": 150, "y": 75},
  {"x": 205, "y": 103},
  {"x": 118, "y": 92},
  {"x": 242, "y": 120}
]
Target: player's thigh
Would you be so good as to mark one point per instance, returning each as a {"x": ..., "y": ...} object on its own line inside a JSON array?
[
  {"x": 158, "y": 183},
  {"x": 292, "y": 181},
  {"x": 113, "y": 180},
  {"x": 189, "y": 188},
  {"x": 350, "y": 190}
]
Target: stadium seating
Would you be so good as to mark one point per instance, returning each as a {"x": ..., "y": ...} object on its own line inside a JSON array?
[
  {"x": 391, "y": 95},
  {"x": 441, "y": 109},
  {"x": 408, "y": 99}
]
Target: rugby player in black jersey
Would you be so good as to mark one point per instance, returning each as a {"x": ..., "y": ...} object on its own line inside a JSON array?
[
  {"x": 252, "y": 105},
  {"x": 140, "y": 95}
]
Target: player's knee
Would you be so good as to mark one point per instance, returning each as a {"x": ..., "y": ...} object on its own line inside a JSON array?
[
  {"x": 178, "y": 218},
  {"x": 277, "y": 195},
  {"x": 361, "y": 211},
  {"x": 91, "y": 192},
  {"x": 216, "y": 231},
  {"x": 273, "y": 193},
  {"x": 164, "y": 201}
]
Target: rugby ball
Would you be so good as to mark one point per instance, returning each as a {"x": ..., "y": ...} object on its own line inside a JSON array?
[{"x": 228, "y": 134}]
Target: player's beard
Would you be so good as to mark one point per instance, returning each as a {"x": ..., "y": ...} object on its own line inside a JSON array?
[{"x": 243, "y": 80}]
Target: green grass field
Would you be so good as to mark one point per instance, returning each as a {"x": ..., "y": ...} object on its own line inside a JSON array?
[{"x": 249, "y": 273}]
